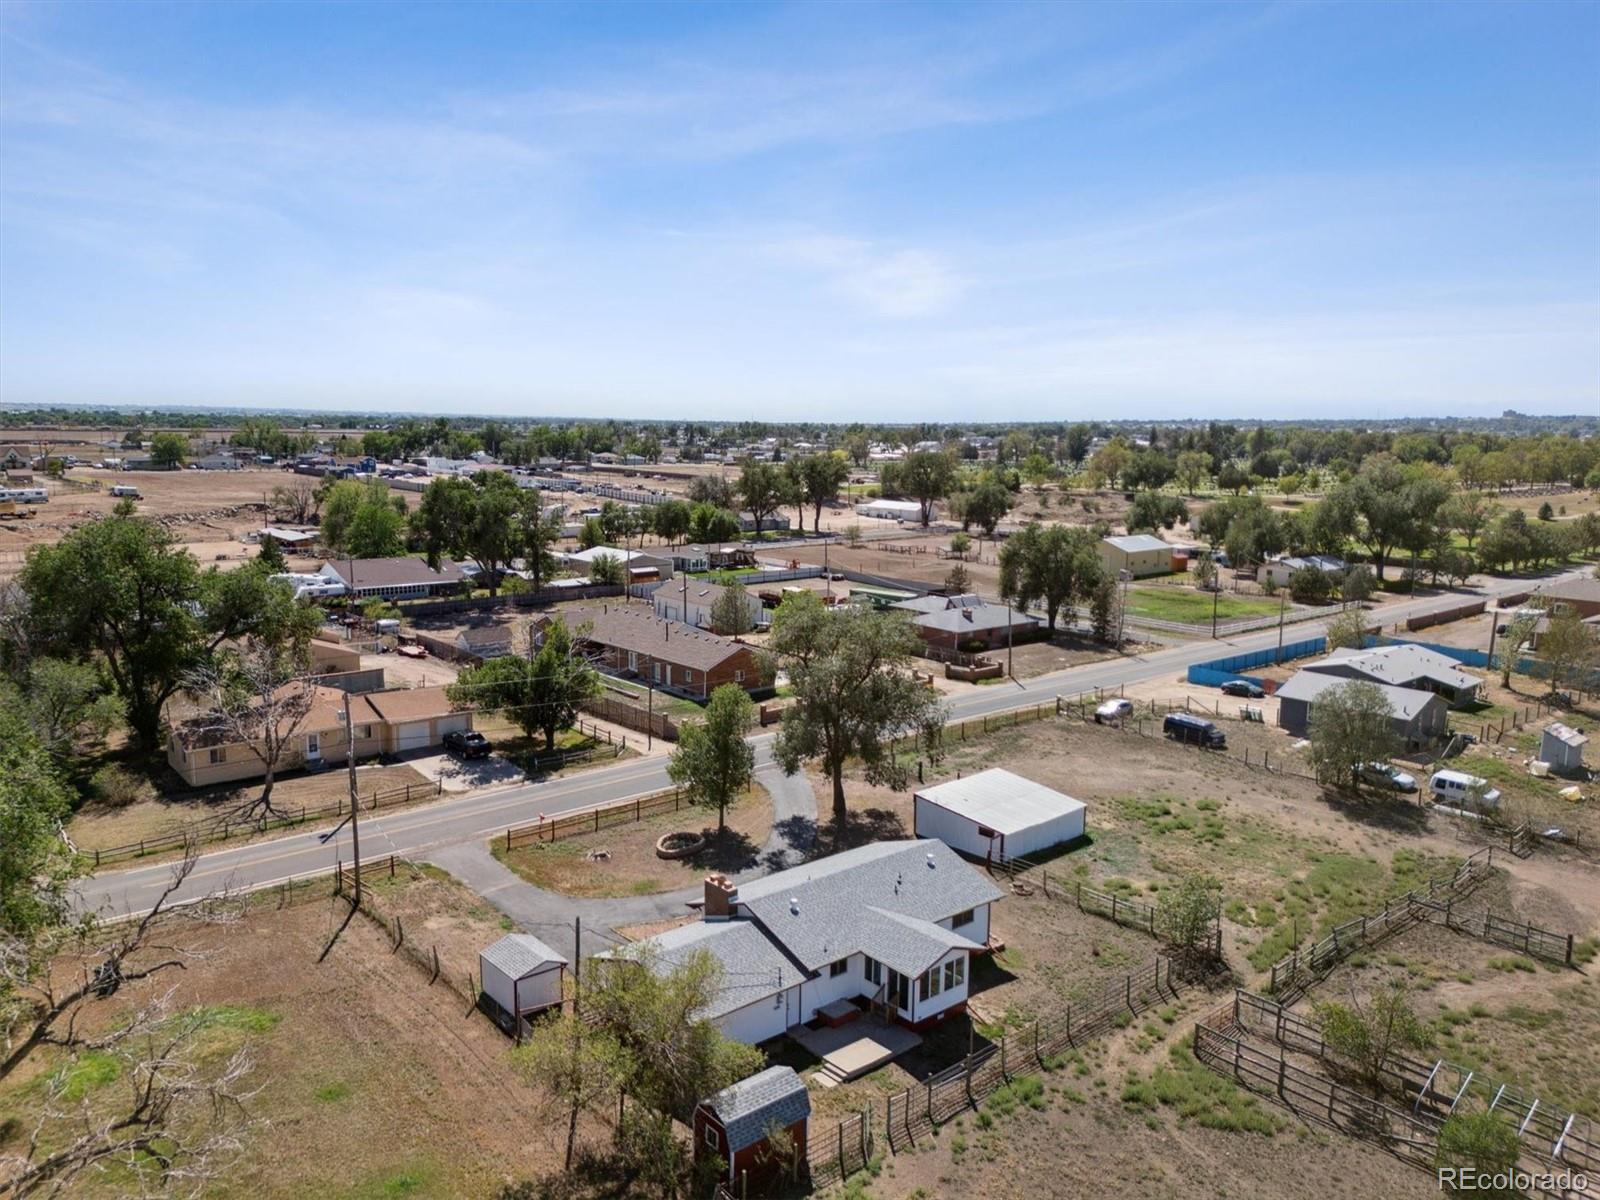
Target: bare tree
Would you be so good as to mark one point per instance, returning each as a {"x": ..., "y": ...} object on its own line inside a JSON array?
[
  {"x": 257, "y": 698},
  {"x": 297, "y": 502}
]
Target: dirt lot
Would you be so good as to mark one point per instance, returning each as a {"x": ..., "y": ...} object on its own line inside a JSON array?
[
  {"x": 630, "y": 866},
  {"x": 373, "y": 1083},
  {"x": 96, "y": 826}
]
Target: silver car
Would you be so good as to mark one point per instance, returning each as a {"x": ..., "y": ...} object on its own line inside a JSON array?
[
  {"x": 1113, "y": 712},
  {"x": 1391, "y": 777}
]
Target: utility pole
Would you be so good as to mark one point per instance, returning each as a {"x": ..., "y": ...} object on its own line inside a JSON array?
[
  {"x": 1283, "y": 602},
  {"x": 827, "y": 575},
  {"x": 355, "y": 805},
  {"x": 1123, "y": 576},
  {"x": 650, "y": 720},
  {"x": 1010, "y": 674},
  {"x": 1216, "y": 592}
]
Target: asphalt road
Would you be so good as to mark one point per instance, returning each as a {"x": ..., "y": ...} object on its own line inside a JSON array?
[{"x": 478, "y": 815}]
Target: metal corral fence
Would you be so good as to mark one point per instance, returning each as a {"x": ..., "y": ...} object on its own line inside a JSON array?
[
  {"x": 916, "y": 1111},
  {"x": 1292, "y": 974},
  {"x": 837, "y": 1153},
  {"x": 223, "y": 828},
  {"x": 1548, "y": 1135}
]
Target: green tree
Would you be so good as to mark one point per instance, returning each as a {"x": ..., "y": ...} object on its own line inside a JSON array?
[
  {"x": 960, "y": 544},
  {"x": 477, "y": 519},
  {"x": 271, "y": 556},
  {"x": 854, "y": 692},
  {"x": 712, "y": 759},
  {"x": 1350, "y": 725},
  {"x": 987, "y": 504},
  {"x": 821, "y": 477},
  {"x": 1519, "y": 635},
  {"x": 68, "y": 705},
  {"x": 169, "y": 449},
  {"x": 120, "y": 591},
  {"x": 1192, "y": 469},
  {"x": 926, "y": 476},
  {"x": 539, "y": 693},
  {"x": 1152, "y": 510},
  {"x": 708, "y": 523},
  {"x": 1482, "y": 1143},
  {"x": 1055, "y": 565},
  {"x": 1310, "y": 585},
  {"x": 1393, "y": 505},
  {"x": 36, "y": 866},
  {"x": 1569, "y": 649},
  {"x": 763, "y": 489},
  {"x": 608, "y": 569},
  {"x": 1187, "y": 914},
  {"x": 362, "y": 519},
  {"x": 1370, "y": 1035},
  {"x": 730, "y": 611},
  {"x": 574, "y": 1069},
  {"x": 670, "y": 521}
]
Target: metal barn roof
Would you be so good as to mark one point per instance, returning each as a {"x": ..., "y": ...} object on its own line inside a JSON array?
[{"x": 1003, "y": 801}]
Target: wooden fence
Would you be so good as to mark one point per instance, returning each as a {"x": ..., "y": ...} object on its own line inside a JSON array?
[
  {"x": 425, "y": 959},
  {"x": 632, "y": 716},
  {"x": 593, "y": 820},
  {"x": 916, "y": 1111},
  {"x": 1294, "y": 973},
  {"x": 223, "y": 828}
]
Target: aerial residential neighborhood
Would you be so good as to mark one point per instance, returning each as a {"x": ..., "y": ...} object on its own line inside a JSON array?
[{"x": 736, "y": 602}]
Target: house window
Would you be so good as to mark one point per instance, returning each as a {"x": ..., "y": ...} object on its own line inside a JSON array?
[
  {"x": 217, "y": 755},
  {"x": 658, "y": 672},
  {"x": 363, "y": 731},
  {"x": 960, "y": 919},
  {"x": 836, "y": 969},
  {"x": 711, "y": 1136},
  {"x": 955, "y": 973},
  {"x": 930, "y": 983},
  {"x": 872, "y": 969},
  {"x": 688, "y": 675},
  {"x": 738, "y": 676}
]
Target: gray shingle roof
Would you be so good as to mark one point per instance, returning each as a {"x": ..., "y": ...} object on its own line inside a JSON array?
[
  {"x": 1399, "y": 665},
  {"x": 921, "y": 879},
  {"x": 752, "y": 967},
  {"x": 1405, "y": 702},
  {"x": 520, "y": 954},
  {"x": 774, "y": 1096}
]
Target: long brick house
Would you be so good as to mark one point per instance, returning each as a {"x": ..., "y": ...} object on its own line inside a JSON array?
[{"x": 632, "y": 641}]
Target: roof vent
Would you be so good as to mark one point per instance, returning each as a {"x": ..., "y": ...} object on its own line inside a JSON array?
[
  {"x": 794, "y": 905},
  {"x": 930, "y": 860}
]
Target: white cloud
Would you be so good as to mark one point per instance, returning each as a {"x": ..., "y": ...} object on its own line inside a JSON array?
[{"x": 889, "y": 282}]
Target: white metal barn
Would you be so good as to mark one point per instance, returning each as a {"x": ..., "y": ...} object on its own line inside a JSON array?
[
  {"x": 997, "y": 815},
  {"x": 521, "y": 974}
]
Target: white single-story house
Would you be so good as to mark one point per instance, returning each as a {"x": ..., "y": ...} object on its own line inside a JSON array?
[
  {"x": 641, "y": 567},
  {"x": 890, "y": 510},
  {"x": 1140, "y": 554},
  {"x": 996, "y": 815},
  {"x": 1280, "y": 569},
  {"x": 691, "y": 601},
  {"x": 892, "y": 925},
  {"x": 521, "y": 975},
  {"x": 691, "y": 559},
  {"x": 293, "y": 541},
  {"x": 402, "y": 577}
]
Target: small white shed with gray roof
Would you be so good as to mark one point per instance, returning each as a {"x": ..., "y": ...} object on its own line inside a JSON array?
[
  {"x": 996, "y": 815},
  {"x": 521, "y": 974}
]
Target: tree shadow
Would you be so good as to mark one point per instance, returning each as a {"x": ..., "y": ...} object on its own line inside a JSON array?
[
  {"x": 858, "y": 828},
  {"x": 1403, "y": 816},
  {"x": 799, "y": 834},
  {"x": 731, "y": 852}
]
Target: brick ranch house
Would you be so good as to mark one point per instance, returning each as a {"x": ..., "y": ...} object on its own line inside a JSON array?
[
  {"x": 397, "y": 722},
  {"x": 632, "y": 641}
]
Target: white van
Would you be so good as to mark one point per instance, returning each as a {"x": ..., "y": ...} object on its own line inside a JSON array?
[
  {"x": 1460, "y": 790},
  {"x": 128, "y": 490},
  {"x": 25, "y": 495}
]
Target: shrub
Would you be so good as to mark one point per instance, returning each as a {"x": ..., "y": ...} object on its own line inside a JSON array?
[{"x": 116, "y": 786}]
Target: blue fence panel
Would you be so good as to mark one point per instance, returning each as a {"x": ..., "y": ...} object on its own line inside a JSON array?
[{"x": 1218, "y": 671}]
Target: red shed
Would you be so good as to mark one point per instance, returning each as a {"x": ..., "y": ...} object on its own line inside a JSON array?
[{"x": 732, "y": 1125}]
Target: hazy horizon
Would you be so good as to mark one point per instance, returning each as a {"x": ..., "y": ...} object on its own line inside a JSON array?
[{"x": 890, "y": 214}]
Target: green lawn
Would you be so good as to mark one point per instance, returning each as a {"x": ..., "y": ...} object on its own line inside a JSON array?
[{"x": 1193, "y": 607}]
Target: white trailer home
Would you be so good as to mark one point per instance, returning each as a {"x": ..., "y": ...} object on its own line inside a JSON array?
[
  {"x": 521, "y": 975},
  {"x": 995, "y": 815}
]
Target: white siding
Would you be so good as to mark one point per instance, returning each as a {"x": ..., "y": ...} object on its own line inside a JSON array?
[
  {"x": 757, "y": 1022},
  {"x": 961, "y": 834},
  {"x": 538, "y": 991},
  {"x": 978, "y": 929},
  {"x": 825, "y": 989},
  {"x": 948, "y": 997}
]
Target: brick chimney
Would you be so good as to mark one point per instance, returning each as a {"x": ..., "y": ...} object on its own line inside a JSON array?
[{"x": 721, "y": 895}]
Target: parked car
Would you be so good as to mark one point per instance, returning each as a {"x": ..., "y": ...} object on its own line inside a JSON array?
[
  {"x": 1184, "y": 727},
  {"x": 1243, "y": 687},
  {"x": 1385, "y": 775},
  {"x": 1113, "y": 711},
  {"x": 127, "y": 490},
  {"x": 1460, "y": 790},
  {"x": 412, "y": 650},
  {"x": 467, "y": 743}
]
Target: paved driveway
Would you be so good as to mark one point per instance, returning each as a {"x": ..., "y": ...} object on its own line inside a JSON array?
[{"x": 464, "y": 774}]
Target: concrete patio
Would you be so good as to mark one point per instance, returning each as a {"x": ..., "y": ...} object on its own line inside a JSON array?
[{"x": 852, "y": 1050}]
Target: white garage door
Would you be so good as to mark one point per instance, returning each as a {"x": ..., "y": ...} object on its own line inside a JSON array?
[
  {"x": 454, "y": 724},
  {"x": 411, "y": 737}
]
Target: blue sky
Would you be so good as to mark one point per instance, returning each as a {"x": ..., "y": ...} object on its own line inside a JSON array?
[{"x": 894, "y": 212}]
